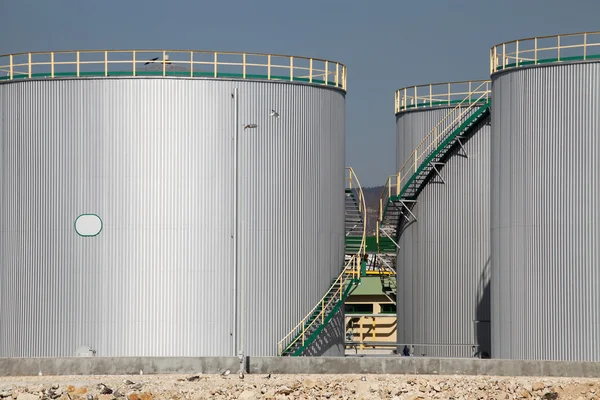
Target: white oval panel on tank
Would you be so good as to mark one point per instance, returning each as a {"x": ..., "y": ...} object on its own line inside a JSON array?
[{"x": 88, "y": 225}]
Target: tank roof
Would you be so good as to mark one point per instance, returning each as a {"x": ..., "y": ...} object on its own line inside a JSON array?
[
  {"x": 171, "y": 63},
  {"x": 570, "y": 47}
]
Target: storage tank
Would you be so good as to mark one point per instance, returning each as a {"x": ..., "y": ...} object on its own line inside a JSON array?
[
  {"x": 544, "y": 201},
  {"x": 167, "y": 203},
  {"x": 443, "y": 258}
]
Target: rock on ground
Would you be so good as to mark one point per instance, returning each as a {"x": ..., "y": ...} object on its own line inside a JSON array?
[{"x": 275, "y": 387}]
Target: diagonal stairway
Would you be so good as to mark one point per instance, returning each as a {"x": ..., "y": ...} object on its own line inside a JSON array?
[
  {"x": 298, "y": 340},
  {"x": 355, "y": 223},
  {"x": 417, "y": 180},
  {"x": 401, "y": 190},
  {"x": 305, "y": 333}
]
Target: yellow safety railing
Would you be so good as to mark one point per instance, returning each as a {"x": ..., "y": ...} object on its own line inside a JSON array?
[
  {"x": 371, "y": 331},
  {"x": 185, "y": 63},
  {"x": 379, "y": 272},
  {"x": 430, "y": 142},
  {"x": 350, "y": 273},
  {"x": 579, "y": 46},
  {"x": 438, "y": 94}
]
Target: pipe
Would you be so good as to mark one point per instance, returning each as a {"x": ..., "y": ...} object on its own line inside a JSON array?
[
  {"x": 239, "y": 278},
  {"x": 234, "y": 234}
]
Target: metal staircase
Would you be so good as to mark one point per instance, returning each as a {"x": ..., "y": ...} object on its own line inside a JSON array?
[
  {"x": 401, "y": 190},
  {"x": 298, "y": 340},
  {"x": 306, "y": 332},
  {"x": 354, "y": 210}
]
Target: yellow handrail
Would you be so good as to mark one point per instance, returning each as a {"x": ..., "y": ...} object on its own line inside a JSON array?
[
  {"x": 351, "y": 271},
  {"x": 430, "y": 142},
  {"x": 437, "y": 94},
  {"x": 190, "y": 63},
  {"x": 299, "y": 332},
  {"x": 534, "y": 50}
]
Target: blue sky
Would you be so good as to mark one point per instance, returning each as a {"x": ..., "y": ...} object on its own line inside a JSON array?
[{"x": 385, "y": 44}]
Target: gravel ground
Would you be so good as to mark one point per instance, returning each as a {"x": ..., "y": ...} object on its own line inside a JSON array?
[{"x": 148, "y": 387}]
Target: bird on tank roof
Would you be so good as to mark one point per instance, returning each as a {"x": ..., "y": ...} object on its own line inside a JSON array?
[
  {"x": 165, "y": 61},
  {"x": 250, "y": 126}
]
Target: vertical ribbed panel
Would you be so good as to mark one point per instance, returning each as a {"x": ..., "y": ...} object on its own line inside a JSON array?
[
  {"x": 443, "y": 261},
  {"x": 291, "y": 205},
  {"x": 154, "y": 159},
  {"x": 545, "y": 213}
]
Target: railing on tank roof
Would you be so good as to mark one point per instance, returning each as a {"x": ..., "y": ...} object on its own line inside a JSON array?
[
  {"x": 182, "y": 63},
  {"x": 569, "y": 47},
  {"x": 439, "y": 94}
]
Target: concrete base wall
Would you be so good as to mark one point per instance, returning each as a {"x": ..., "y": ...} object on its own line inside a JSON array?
[{"x": 294, "y": 365}]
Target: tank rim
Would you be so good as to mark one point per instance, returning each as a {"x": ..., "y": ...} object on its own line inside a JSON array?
[{"x": 183, "y": 63}]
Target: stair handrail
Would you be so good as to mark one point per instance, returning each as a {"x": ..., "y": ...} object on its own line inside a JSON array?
[
  {"x": 350, "y": 272},
  {"x": 353, "y": 183},
  {"x": 394, "y": 182},
  {"x": 299, "y": 332},
  {"x": 483, "y": 96},
  {"x": 415, "y": 156},
  {"x": 386, "y": 194}
]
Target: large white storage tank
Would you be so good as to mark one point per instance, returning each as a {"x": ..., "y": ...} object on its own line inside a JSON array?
[
  {"x": 443, "y": 257},
  {"x": 545, "y": 221},
  {"x": 155, "y": 203}
]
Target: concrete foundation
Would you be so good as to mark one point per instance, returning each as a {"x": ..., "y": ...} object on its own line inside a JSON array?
[{"x": 294, "y": 365}]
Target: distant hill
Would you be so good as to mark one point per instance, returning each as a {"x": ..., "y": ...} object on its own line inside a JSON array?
[{"x": 372, "y": 195}]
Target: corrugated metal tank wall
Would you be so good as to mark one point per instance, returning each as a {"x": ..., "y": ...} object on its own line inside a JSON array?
[
  {"x": 443, "y": 261},
  {"x": 154, "y": 158},
  {"x": 545, "y": 220}
]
